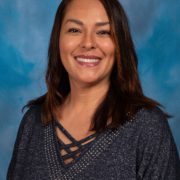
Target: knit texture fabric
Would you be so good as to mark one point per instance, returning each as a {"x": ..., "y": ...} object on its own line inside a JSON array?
[{"x": 143, "y": 148}]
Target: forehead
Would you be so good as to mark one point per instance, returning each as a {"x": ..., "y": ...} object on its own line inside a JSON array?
[{"x": 86, "y": 10}]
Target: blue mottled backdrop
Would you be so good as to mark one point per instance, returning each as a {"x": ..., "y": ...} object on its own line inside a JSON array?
[{"x": 25, "y": 27}]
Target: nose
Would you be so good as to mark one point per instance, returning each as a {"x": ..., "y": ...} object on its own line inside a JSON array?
[{"x": 88, "y": 41}]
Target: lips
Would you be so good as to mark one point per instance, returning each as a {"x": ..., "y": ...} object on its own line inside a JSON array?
[{"x": 88, "y": 61}]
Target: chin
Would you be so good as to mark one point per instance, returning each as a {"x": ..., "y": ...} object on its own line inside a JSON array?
[{"x": 91, "y": 81}]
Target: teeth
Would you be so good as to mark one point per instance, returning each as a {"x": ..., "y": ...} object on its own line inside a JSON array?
[{"x": 87, "y": 60}]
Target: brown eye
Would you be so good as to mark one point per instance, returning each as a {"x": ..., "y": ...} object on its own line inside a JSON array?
[
  {"x": 104, "y": 32},
  {"x": 73, "y": 30}
]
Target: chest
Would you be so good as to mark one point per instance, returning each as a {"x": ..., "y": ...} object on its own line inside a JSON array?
[{"x": 107, "y": 158}]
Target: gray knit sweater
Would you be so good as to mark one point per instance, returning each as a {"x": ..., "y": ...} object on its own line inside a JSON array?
[{"x": 141, "y": 149}]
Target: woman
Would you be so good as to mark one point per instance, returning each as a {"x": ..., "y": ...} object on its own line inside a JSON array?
[{"x": 94, "y": 121}]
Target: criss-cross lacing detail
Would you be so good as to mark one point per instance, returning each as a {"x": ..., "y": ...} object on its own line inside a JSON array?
[{"x": 71, "y": 152}]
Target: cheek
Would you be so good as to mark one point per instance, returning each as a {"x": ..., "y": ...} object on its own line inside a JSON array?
[
  {"x": 67, "y": 45},
  {"x": 66, "y": 48},
  {"x": 108, "y": 48}
]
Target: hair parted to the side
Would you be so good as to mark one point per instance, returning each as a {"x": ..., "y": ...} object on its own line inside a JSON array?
[{"x": 124, "y": 97}]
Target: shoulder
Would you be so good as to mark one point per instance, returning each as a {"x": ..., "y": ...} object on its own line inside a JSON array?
[
  {"x": 152, "y": 119},
  {"x": 31, "y": 117},
  {"x": 32, "y": 112},
  {"x": 156, "y": 149},
  {"x": 147, "y": 124},
  {"x": 29, "y": 122},
  {"x": 152, "y": 114},
  {"x": 147, "y": 127},
  {"x": 154, "y": 128},
  {"x": 24, "y": 136}
]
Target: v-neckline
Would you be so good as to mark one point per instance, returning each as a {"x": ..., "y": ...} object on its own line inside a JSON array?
[
  {"x": 77, "y": 143},
  {"x": 68, "y": 134},
  {"x": 57, "y": 171}
]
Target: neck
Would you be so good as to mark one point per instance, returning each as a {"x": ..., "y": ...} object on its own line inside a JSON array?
[{"x": 86, "y": 98}]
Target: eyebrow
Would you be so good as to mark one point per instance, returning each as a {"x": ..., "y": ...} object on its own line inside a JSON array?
[{"x": 81, "y": 23}]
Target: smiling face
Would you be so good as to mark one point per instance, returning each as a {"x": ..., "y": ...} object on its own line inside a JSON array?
[{"x": 86, "y": 47}]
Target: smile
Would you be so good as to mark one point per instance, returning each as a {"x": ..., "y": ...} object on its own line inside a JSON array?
[{"x": 88, "y": 61}]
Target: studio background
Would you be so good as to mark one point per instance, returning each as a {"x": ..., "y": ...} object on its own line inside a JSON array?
[{"x": 25, "y": 27}]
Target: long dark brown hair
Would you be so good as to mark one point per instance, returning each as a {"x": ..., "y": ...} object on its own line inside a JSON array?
[{"x": 124, "y": 97}]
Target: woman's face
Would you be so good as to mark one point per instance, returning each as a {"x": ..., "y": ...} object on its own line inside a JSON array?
[{"x": 86, "y": 47}]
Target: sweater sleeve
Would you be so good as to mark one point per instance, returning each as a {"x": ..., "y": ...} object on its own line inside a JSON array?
[
  {"x": 157, "y": 151},
  {"x": 21, "y": 146}
]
